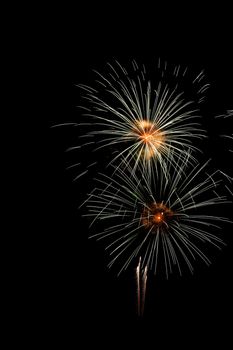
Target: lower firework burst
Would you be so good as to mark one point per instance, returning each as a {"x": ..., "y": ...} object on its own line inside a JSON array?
[{"x": 163, "y": 220}]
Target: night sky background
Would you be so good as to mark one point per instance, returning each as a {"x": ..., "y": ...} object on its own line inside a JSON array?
[{"x": 80, "y": 299}]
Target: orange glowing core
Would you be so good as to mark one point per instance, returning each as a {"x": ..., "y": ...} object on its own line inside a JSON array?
[
  {"x": 156, "y": 214},
  {"x": 152, "y": 138}
]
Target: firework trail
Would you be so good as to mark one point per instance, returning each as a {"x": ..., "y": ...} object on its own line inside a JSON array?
[
  {"x": 141, "y": 117},
  {"x": 163, "y": 220},
  {"x": 138, "y": 275},
  {"x": 141, "y": 280}
]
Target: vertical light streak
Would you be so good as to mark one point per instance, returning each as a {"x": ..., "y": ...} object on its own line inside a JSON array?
[{"x": 141, "y": 281}]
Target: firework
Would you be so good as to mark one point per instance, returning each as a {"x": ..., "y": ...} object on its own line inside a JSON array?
[
  {"x": 163, "y": 220},
  {"x": 143, "y": 120},
  {"x": 141, "y": 280},
  {"x": 229, "y": 136}
]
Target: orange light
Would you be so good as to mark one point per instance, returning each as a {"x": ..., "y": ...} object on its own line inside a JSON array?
[
  {"x": 156, "y": 214},
  {"x": 144, "y": 124},
  {"x": 157, "y": 218},
  {"x": 150, "y": 135},
  {"x": 146, "y": 137}
]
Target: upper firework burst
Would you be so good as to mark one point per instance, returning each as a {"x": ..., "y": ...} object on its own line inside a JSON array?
[{"x": 145, "y": 117}]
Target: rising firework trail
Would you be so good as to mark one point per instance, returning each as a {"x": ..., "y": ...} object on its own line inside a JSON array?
[
  {"x": 138, "y": 271},
  {"x": 141, "y": 280},
  {"x": 163, "y": 220}
]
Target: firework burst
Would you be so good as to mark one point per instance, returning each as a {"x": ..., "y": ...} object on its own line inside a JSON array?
[
  {"x": 143, "y": 120},
  {"x": 163, "y": 220}
]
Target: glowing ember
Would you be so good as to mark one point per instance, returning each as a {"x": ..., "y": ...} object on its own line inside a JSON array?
[
  {"x": 156, "y": 214},
  {"x": 152, "y": 138}
]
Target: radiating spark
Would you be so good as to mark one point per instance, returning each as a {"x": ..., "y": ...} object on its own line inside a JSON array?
[
  {"x": 145, "y": 120},
  {"x": 226, "y": 135},
  {"x": 157, "y": 217}
]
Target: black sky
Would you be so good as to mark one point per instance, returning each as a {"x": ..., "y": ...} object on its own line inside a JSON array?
[{"x": 80, "y": 298}]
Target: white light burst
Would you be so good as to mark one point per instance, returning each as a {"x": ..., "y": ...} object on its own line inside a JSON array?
[
  {"x": 144, "y": 119},
  {"x": 163, "y": 220}
]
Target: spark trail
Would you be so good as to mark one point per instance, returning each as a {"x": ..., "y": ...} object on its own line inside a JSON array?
[
  {"x": 163, "y": 220},
  {"x": 144, "y": 117}
]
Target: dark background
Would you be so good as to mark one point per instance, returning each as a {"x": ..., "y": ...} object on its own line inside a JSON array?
[{"x": 79, "y": 298}]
